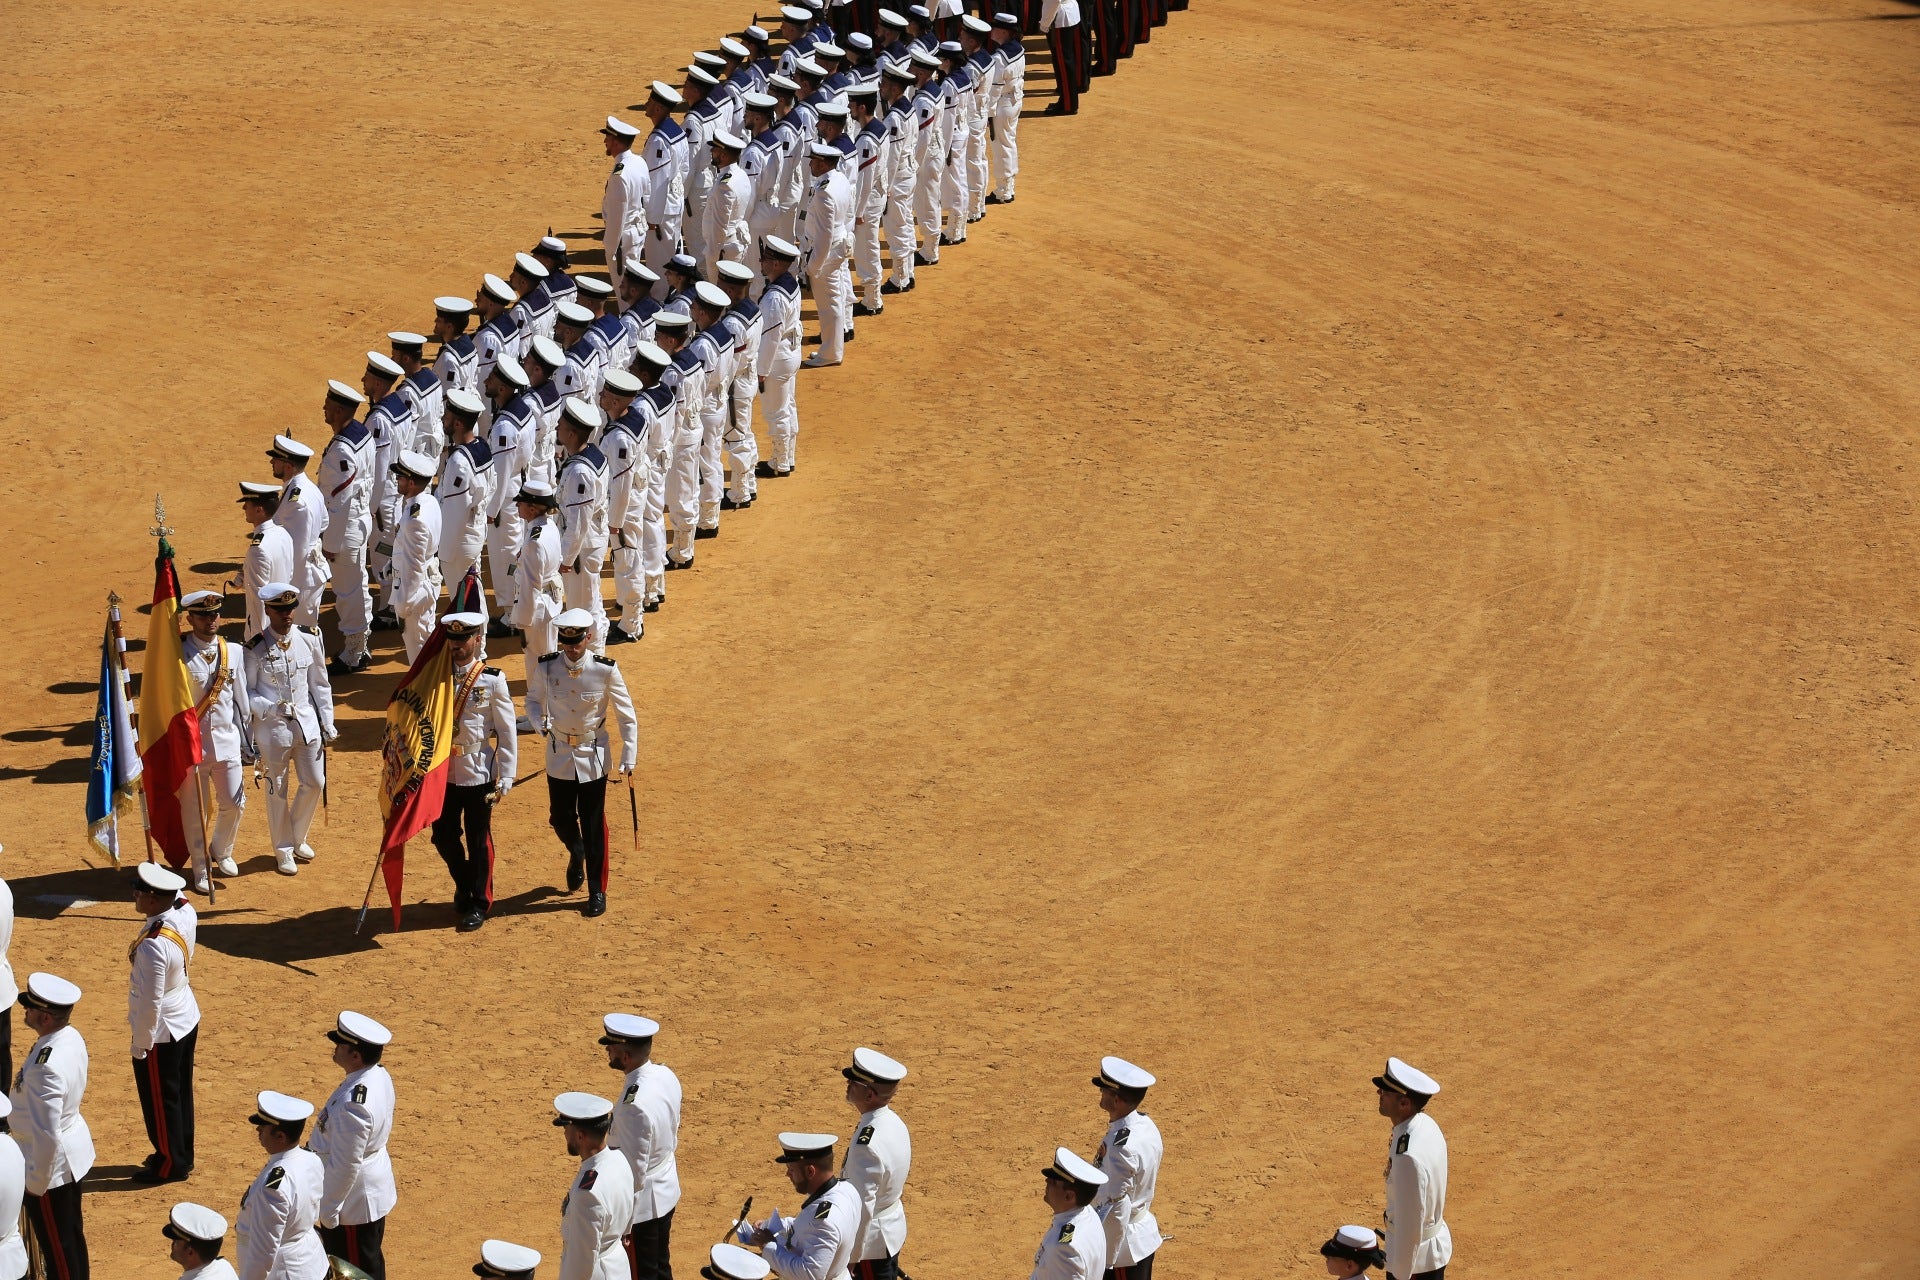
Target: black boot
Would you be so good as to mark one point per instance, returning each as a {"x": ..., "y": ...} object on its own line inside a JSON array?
[
  {"x": 596, "y": 905},
  {"x": 576, "y": 867}
]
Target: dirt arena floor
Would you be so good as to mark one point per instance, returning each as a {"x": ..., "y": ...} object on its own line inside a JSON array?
[{"x": 1398, "y": 542}]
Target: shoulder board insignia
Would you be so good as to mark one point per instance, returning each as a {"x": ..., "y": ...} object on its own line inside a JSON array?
[
  {"x": 1066, "y": 1233},
  {"x": 821, "y": 1208},
  {"x": 548, "y": 657},
  {"x": 1400, "y": 1148},
  {"x": 628, "y": 1096},
  {"x": 491, "y": 671},
  {"x": 312, "y": 631},
  {"x": 276, "y": 1176},
  {"x": 43, "y": 1055},
  {"x": 258, "y": 636},
  {"x": 588, "y": 1178},
  {"x": 254, "y": 538},
  {"x": 359, "y": 1093},
  {"x": 605, "y": 662},
  {"x": 866, "y": 1136},
  {"x": 413, "y": 508},
  {"x": 1120, "y": 1138}
]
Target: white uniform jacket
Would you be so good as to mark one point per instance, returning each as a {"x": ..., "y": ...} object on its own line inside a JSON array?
[
  {"x": 1059, "y": 13},
  {"x": 623, "y": 211},
  {"x": 160, "y": 1004},
  {"x": 876, "y": 1167},
  {"x": 269, "y": 559},
  {"x": 1130, "y": 1157},
  {"x": 594, "y": 1219},
  {"x": 13, "y": 1187},
  {"x": 350, "y": 1137},
  {"x": 486, "y": 745},
  {"x": 416, "y": 556},
  {"x": 46, "y": 1111},
  {"x": 573, "y": 711},
  {"x": 463, "y": 489},
  {"x": 218, "y": 1269},
  {"x": 224, "y": 717},
  {"x": 1417, "y": 1235},
  {"x": 8, "y": 987},
  {"x": 646, "y": 1130},
  {"x": 728, "y": 205},
  {"x": 303, "y": 515},
  {"x": 287, "y": 681},
  {"x": 1074, "y": 1248},
  {"x": 583, "y": 508},
  {"x": 537, "y": 594},
  {"x": 273, "y": 1235},
  {"x": 817, "y": 1242},
  {"x": 346, "y": 484}
]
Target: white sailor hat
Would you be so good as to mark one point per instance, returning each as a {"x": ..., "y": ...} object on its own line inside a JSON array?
[
  {"x": 951, "y": 49},
  {"x": 589, "y": 1109},
  {"x": 666, "y": 93},
  {"x": 1403, "y": 1079},
  {"x": 577, "y": 622},
  {"x": 625, "y": 1028},
  {"x": 794, "y": 13},
  {"x": 828, "y": 49},
  {"x": 497, "y": 289},
  {"x": 510, "y": 369},
  {"x": 758, "y": 34},
  {"x": 806, "y": 66},
  {"x": 49, "y": 991},
  {"x": 1118, "y": 1073},
  {"x": 709, "y": 59},
  {"x": 815, "y": 7},
  {"x": 273, "y": 1107},
  {"x": 734, "y": 49},
  {"x": 870, "y": 1066},
  {"x": 774, "y": 246},
  {"x": 620, "y": 128},
  {"x": 352, "y": 1028},
  {"x": 279, "y": 595},
  {"x": 795, "y": 1147},
  {"x": 700, "y": 75},
  {"x": 452, "y": 306},
  {"x": 505, "y": 1260},
  {"x": 285, "y": 446},
  {"x": 528, "y": 265},
  {"x": 593, "y": 286},
  {"x": 464, "y": 403},
  {"x": 738, "y": 272},
  {"x": 979, "y": 26},
  {"x": 382, "y": 365},
  {"x": 731, "y": 1262},
  {"x": 151, "y": 877},
  {"x": 921, "y": 58},
  {"x": 548, "y": 352},
  {"x": 898, "y": 72},
  {"x": 254, "y": 491},
  {"x": 640, "y": 271},
  {"x": 1006, "y": 19},
  {"x": 712, "y": 295},
  {"x": 919, "y": 11},
  {"x": 831, "y": 111},
  {"x": 685, "y": 263},
  {"x": 6, "y": 1106},
  {"x": 825, "y": 151},
  {"x": 575, "y": 314},
  {"x": 551, "y": 244},
  {"x": 722, "y": 138},
  {"x": 861, "y": 92},
  {"x": 403, "y": 339},
  {"x": 889, "y": 18},
  {"x": 759, "y": 101},
  {"x": 1068, "y": 1167},
  {"x": 195, "y": 1224},
  {"x": 1355, "y": 1244},
  {"x": 785, "y": 84},
  {"x": 202, "y": 601},
  {"x": 652, "y": 354},
  {"x": 671, "y": 318},
  {"x": 417, "y": 465},
  {"x": 536, "y": 493},
  {"x": 860, "y": 40},
  {"x": 622, "y": 383},
  {"x": 583, "y": 412},
  {"x": 463, "y": 624}
]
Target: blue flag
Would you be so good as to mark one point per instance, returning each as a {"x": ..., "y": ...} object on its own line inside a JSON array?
[{"x": 116, "y": 752}]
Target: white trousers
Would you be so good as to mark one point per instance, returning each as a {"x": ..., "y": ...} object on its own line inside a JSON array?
[
  {"x": 683, "y": 490},
  {"x": 629, "y": 581},
  {"x": 581, "y": 590},
  {"x": 827, "y": 273},
  {"x": 866, "y": 254},
  {"x": 221, "y": 782},
  {"x": 503, "y": 548},
  {"x": 977, "y": 169},
  {"x": 310, "y": 579},
  {"x": 953, "y": 191},
  {"x": 290, "y": 810},
  {"x": 653, "y": 530},
  {"x": 713, "y": 429},
  {"x": 352, "y": 597},
  {"x": 1006, "y": 149},
  {"x": 743, "y": 451},
  {"x": 416, "y": 623},
  {"x": 898, "y": 222},
  {"x": 926, "y": 207},
  {"x": 782, "y": 413}
]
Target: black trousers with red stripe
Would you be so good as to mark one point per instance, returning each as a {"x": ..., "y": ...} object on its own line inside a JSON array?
[
  {"x": 1068, "y": 51},
  {"x": 463, "y": 833},
  {"x": 164, "y": 1080},
  {"x": 648, "y": 1253},
  {"x": 1141, "y": 1270},
  {"x": 58, "y": 1227},
  {"x": 876, "y": 1269},
  {"x": 358, "y": 1244},
  {"x": 1105, "y": 31},
  {"x": 577, "y": 812}
]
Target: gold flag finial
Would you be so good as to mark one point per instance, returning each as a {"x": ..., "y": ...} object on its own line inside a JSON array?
[{"x": 160, "y": 529}]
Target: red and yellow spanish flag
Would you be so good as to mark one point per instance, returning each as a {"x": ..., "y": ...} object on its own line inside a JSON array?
[
  {"x": 169, "y": 722},
  {"x": 415, "y": 757}
]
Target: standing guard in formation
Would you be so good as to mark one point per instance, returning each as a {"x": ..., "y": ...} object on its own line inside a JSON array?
[
  {"x": 274, "y": 1235},
  {"x": 165, "y": 1020},
  {"x": 1418, "y": 1245},
  {"x": 646, "y": 1130},
  {"x": 350, "y": 1137},
  {"x": 598, "y": 1207},
  {"x": 1075, "y": 1244},
  {"x": 46, "y": 1121},
  {"x": 878, "y": 1159},
  {"x": 1130, "y": 1157},
  {"x": 816, "y": 1243},
  {"x": 197, "y": 1234},
  {"x": 269, "y": 549}
]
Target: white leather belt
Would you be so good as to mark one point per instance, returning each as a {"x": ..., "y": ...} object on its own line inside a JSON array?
[{"x": 576, "y": 740}]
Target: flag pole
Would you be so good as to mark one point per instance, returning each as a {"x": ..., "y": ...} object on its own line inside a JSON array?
[
  {"x": 126, "y": 689},
  {"x": 379, "y": 858}
]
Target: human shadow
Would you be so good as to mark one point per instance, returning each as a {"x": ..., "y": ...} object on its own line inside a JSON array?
[
  {"x": 74, "y": 686},
  {"x": 52, "y": 893},
  {"x": 114, "y": 1177},
  {"x": 289, "y": 942},
  {"x": 58, "y": 773}
]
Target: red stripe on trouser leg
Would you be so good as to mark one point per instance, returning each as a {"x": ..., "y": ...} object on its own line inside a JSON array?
[
  {"x": 60, "y": 1269},
  {"x": 1064, "y": 75},
  {"x": 163, "y": 1140},
  {"x": 353, "y": 1245},
  {"x": 606, "y": 854},
  {"x": 487, "y": 892},
  {"x": 633, "y": 1259}
]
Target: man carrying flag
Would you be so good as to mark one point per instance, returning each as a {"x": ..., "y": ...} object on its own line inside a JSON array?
[
  {"x": 415, "y": 759},
  {"x": 219, "y": 686},
  {"x": 292, "y": 709},
  {"x": 169, "y": 722},
  {"x": 116, "y": 762},
  {"x": 485, "y": 750}
]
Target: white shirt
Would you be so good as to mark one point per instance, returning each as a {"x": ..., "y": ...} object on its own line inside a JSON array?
[
  {"x": 287, "y": 681},
  {"x": 623, "y": 210},
  {"x": 485, "y": 742},
  {"x": 1059, "y": 13},
  {"x": 46, "y": 1111},
  {"x": 160, "y": 1004},
  {"x": 13, "y": 1187},
  {"x": 1130, "y": 1157},
  {"x": 8, "y": 987},
  {"x": 218, "y": 1269},
  {"x": 878, "y": 1158},
  {"x": 817, "y": 1242},
  {"x": 302, "y": 514},
  {"x": 269, "y": 559},
  {"x": 462, "y": 490},
  {"x": 1417, "y": 1235},
  {"x": 646, "y": 1130},
  {"x": 1074, "y": 1248},
  {"x": 224, "y": 718},
  {"x": 273, "y": 1234},
  {"x": 594, "y": 1219},
  {"x": 350, "y": 1136},
  {"x": 536, "y": 576}
]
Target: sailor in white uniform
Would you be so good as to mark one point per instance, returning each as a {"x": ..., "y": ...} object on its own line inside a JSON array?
[
  {"x": 646, "y": 1130},
  {"x": 46, "y": 1122},
  {"x": 350, "y": 1137},
  {"x": 1075, "y": 1245},
  {"x": 598, "y": 1207},
  {"x": 303, "y": 514},
  {"x": 1418, "y": 1244},
  {"x": 414, "y": 587},
  {"x": 292, "y": 704},
  {"x": 817, "y": 1242},
  {"x": 579, "y": 692},
  {"x": 197, "y": 1234},
  {"x": 879, "y": 1156},
  {"x": 274, "y": 1235},
  {"x": 1130, "y": 1157}
]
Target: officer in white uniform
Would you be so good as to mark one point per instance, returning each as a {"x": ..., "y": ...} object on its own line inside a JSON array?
[
  {"x": 303, "y": 514},
  {"x": 13, "y": 1193},
  {"x": 623, "y": 208},
  {"x": 829, "y": 245},
  {"x": 274, "y": 1235},
  {"x": 878, "y": 1158},
  {"x": 817, "y": 1242},
  {"x": 598, "y": 1207},
  {"x": 1075, "y": 1245},
  {"x": 505, "y": 1260},
  {"x": 9, "y": 989},
  {"x": 455, "y": 366},
  {"x": 646, "y": 1130},
  {"x": 463, "y": 489},
  {"x": 537, "y": 592},
  {"x": 350, "y": 1137},
  {"x": 269, "y": 549},
  {"x": 165, "y": 1020},
  {"x": 578, "y": 691},
  {"x": 485, "y": 751},
  {"x": 46, "y": 1122},
  {"x": 415, "y": 586},
  {"x": 1419, "y": 1245},
  {"x": 197, "y": 1234},
  {"x": 1130, "y": 1157},
  {"x": 582, "y": 490},
  {"x": 292, "y": 722},
  {"x": 1351, "y": 1251},
  {"x": 346, "y": 488},
  {"x": 217, "y": 677},
  {"x": 779, "y": 357}
]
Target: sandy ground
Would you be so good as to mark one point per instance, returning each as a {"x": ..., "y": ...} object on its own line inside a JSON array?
[{"x": 1398, "y": 542}]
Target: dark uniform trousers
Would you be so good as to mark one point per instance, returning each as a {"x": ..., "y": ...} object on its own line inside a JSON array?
[
  {"x": 358, "y": 1244},
  {"x": 647, "y": 1253},
  {"x": 1067, "y": 53},
  {"x": 469, "y": 856},
  {"x": 1105, "y": 31},
  {"x": 1141, "y": 1270},
  {"x": 577, "y": 812},
  {"x": 1438, "y": 1273},
  {"x": 164, "y": 1080},
  {"x": 58, "y": 1228},
  {"x": 6, "y": 1039},
  {"x": 876, "y": 1269}
]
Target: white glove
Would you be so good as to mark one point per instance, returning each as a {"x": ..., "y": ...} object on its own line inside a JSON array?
[{"x": 506, "y": 785}]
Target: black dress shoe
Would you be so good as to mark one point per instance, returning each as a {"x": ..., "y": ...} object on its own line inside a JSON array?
[
  {"x": 949, "y": 240},
  {"x": 150, "y": 1175},
  {"x": 922, "y": 260},
  {"x": 994, "y": 199},
  {"x": 596, "y": 905},
  {"x": 385, "y": 622},
  {"x": 847, "y": 336},
  {"x": 704, "y": 532},
  {"x": 862, "y": 309},
  {"x": 1054, "y": 109},
  {"x": 673, "y": 564},
  {"x": 576, "y": 869},
  {"x": 337, "y": 668},
  {"x": 891, "y": 287},
  {"x": 498, "y": 630},
  {"x": 469, "y": 922},
  {"x": 764, "y": 470},
  {"x": 653, "y": 606},
  {"x": 728, "y": 504},
  {"x": 616, "y": 636}
]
